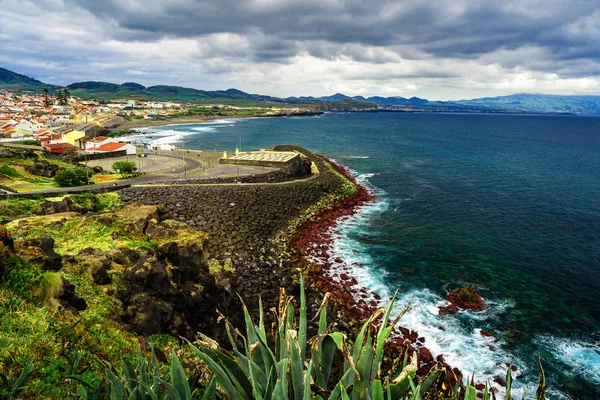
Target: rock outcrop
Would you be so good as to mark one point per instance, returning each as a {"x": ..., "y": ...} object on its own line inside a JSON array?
[
  {"x": 465, "y": 298},
  {"x": 43, "y": 168}
]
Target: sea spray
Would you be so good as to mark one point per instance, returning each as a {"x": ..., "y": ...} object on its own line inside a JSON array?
[{"x": 452, "y": 336}]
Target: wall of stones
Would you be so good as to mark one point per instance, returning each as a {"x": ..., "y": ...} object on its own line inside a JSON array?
[
  {"x": 267, "y": 177},
  {"x": 239, "y": 218}
]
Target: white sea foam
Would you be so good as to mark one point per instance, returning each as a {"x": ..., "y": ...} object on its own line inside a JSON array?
[
  {"x": 583, "y": 359},
  {"x": 204, "y": 129},
  {"x": 453, "y": 336}
]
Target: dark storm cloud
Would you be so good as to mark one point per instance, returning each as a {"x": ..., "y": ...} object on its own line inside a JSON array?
[
  {"x": 281, "y": 29},
  {"x": 316, "y": 46}
]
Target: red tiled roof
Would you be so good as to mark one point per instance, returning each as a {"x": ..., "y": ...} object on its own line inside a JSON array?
[{"x": 110, "y": 147}]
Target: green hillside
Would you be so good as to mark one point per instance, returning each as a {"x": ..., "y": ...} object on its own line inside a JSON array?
[{"x": 13, "y": 81}]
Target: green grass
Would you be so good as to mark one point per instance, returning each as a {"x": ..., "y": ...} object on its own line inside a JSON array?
[{"x": 11, "y": 208}]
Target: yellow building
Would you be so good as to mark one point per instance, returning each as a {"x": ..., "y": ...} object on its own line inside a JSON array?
[{"x": 72, "y": 136}]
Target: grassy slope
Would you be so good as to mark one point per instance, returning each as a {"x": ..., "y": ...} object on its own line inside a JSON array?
[
  {"x": 14, "y": 175},
  {"x": 31, "y": 333}
]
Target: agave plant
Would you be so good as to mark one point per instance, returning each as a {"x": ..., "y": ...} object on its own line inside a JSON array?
[
  {"x": 143, "y": 381},
  {"x": 257, "y": 372}
]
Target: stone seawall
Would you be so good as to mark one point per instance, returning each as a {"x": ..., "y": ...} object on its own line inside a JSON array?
[
  {"x": 240, "y": 219},
  {"x": 267, "y": 177}
]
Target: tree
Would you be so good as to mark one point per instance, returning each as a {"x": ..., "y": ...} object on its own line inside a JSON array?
[
  {"x": 71, "y": 177},
  {"x": 46, "y": 100},
  {"x": 125, "y": 168}
]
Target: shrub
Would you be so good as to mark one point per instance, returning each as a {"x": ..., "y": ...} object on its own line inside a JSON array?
[
  {"x": 48, "y": 288},
  {"x": 29, "y": 142},
  {"x": 71, "y": 177},
  {"x": 124, "y": 168}
]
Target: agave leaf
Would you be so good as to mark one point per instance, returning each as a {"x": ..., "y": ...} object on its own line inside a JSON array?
[
  {"x": 316, "y": 360},
  {"x": 142, "y": 366},
  {"x": 377, "y": 390},
  {"x": 283, "y": 367},
  {"x": 401, "y": 384},
  {"x": 307, "y": 374},
  {"x": 236, "y": 370},
  {"x": 337, "y": 390},
  {"x": 302, "y": 322},
  {"x": 340, "y": 341},
  {"x": 149, "y": 391},
  {"x": 211, "y": 390},
  {"x": 130, "y": 376},
  {"x": 155, "y": 374},
  {"x": 136, "y": 394},
  {"x": 178, "y": 378},
  {"x": 471, "y": 393},
  {"x": 279, "y": 392},
  {"x": 221, "y": 376},
  {"x": 328, "y": 347},
  {"x": 261, "y": 319},
  {"x": 486, "y": 391},
  {"x": 540, "y": 393},
  {"x": 173, "y": 394},
  {"x": 117, "y": 390},
  {"x": 322, "y": 308},
  {"x": 358, "y": 344},
  {"x": 508, "y": 383},
  {"x": 431, "y": 378},
  {"x": 344, "y": 394},
  {"x": 362, "y": 383},
  {"x": 296, "y": 369}
]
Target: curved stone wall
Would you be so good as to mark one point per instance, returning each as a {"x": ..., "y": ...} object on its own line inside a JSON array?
[{"x": 238, "y": 218}]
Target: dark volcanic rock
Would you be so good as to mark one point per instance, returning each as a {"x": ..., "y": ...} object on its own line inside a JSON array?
[
  {"x": 55, "y": 207},
  {"x": 50, "y": 260},
  {"x": 43, "y": 168},
  {"x": 467, "y": 298},
  {"x": 69, "y": 299}
]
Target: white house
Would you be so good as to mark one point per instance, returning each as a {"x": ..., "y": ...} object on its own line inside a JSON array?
[{"x": 103, "y": 144}]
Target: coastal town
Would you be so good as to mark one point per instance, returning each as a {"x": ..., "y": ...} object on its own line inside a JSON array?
[{"x": 63, "y": 123}]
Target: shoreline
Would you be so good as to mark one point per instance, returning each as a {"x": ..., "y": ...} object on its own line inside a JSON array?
[
  {"x": 313, "y": 240},
  {"x": 176, "y": 121},
  {"x": 205, "y": 118}
]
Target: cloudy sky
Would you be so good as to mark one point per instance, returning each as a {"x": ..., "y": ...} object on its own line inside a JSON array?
[{"x": 436, "y": 49}]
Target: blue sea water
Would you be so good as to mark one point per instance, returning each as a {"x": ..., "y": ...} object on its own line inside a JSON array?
[{"x": 508, "y": 203}]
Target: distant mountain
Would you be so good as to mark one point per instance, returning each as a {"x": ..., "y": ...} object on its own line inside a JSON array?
[
  {"x": 545, "y": 103},
  {"x": 522, "y": 103},
  {"x": 13, "y": 81}
]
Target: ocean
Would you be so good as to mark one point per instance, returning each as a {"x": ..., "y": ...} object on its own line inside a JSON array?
[{"x": 507, "y": 203}]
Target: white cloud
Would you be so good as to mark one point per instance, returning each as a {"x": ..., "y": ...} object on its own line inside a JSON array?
[{"x": 446, "y": 50}]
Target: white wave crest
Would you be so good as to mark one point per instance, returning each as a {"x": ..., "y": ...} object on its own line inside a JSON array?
[{"x": 582, "y": 358}]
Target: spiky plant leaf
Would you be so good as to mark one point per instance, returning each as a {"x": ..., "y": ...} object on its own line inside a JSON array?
[
  {"x": 377, "y": 390},
  {"x": 297, "y": 368},
  {"x": 222, "y": 378},
  {"x": 211, "y": 390},
  {"x": 431, "y": 378},
  {"x": 302, "y": 323},
  {"x": 178, "y": 378},
  {"x": 540, "y": 393}
]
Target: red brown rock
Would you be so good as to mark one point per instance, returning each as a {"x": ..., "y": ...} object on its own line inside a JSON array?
[
  {"x": 425, "y": 354},
  {"x": 466, "y": 298}
]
